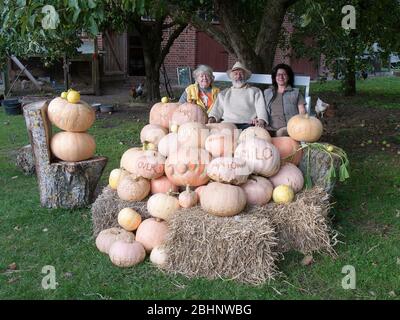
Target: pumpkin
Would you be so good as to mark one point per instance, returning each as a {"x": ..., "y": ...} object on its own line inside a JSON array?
[
  {"x": 303, "y": 127},
  {"x": 162, "y": 185},
  {"x": 188, "y": 198},
  {"x": 261, "y": 157},
  {"x": 115, "y": 176},
  {"x": 132, "y": 188},
  {"x": 129, "y": 219},
  {"x": 192, "y": 134},
  {"x": 128, "y": 159},
  {"x": 223, "y": 128},
  {"x": 73, "y": 146},
  {"x": 228, "y": 170},
  {"x": 198, "y": 191},
  {"x": 188, "y": 112},
  {"x": 254, "y": 132},
  {"x": 73, "y": 117},
  {"x": 283, "y": 194},
  {"x": 188, "y": 167},
  {"x": 290, "y": 175},
  {"x": 258, "y": 190},
  {"x": 222, "y": 199},
  {"x": 158, "y": 256},
  {"x": 126, "y": 254},
  {"x": 148, "y": 164},
  {"x": 152, "y": 133},
  {"x": 220, "y": 145},
  {"x": 107, "y": 237},
  {"x": 161, "y": 113},
  {"x": 168, "y": 144},
  {"x": 162, "y": 205},
  {"x": 152, "y": 233},
  {"x": 288, "y": 149}
]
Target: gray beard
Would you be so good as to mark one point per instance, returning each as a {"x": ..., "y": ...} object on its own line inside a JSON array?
[{"x": 238, "y": 83}]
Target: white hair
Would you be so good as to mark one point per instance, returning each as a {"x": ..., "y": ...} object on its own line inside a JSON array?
[{"x": 202, "y": 68}]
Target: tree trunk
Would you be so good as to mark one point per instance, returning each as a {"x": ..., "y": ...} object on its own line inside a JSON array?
[
  {"x": 61, "y": 184},
  {"x": 349, "y": 81}
]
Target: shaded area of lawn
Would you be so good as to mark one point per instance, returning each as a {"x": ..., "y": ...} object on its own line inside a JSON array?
[{"x": 366, "y": 213}]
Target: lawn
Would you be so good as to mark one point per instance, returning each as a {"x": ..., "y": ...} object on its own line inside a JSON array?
[{"x": 366, "y": 213}]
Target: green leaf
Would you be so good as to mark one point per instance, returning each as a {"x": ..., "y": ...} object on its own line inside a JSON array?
[
  {"x": 76, "y": 15},
  {"x": 73, "y": 4},
  {"x": 93, "y": 26},
  {"x": 21, "y": 3},
  {"x": 91, "y": 4},
  {"x": 343, "y": 173},
  {"x": 305, "y": 20},
  {"x": 32, "y": 19},
  {"x": 308, "y": 182}
]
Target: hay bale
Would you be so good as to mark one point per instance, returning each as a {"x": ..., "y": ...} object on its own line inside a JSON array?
[
  {"x": 107, "y": 206},
  {"x": 241, "y": 247},
  {"x": 304, "y": 225}
]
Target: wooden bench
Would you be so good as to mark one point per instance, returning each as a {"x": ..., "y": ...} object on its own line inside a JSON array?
[
  {"x": 61, "y": 184},
  {"x": 299, "y": 81}
]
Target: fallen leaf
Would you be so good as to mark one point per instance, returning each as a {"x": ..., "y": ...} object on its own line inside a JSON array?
[
  {"x": 12, "y": 266},
  {"x": 17, "y": 228},
  {"x": 392, "y": 293},
  {"x": 15, "y": 177},
  {"x": 307, "y": 260},
  {"x": 45, "y": 230},
  {"x": 12, "y": 280}
]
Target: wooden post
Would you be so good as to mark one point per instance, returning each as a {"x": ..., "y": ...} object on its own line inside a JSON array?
[
  {"x": 61, "y": 184},
  {"x": 26, "y": 72}
]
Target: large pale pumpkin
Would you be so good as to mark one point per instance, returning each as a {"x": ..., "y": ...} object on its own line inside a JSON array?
[
  {"x": 290, "y": 175},
  {"x": 162, "y": 206},
  {"x": 188, "y": 112},
  {"x": 148, "y": 164},
  {"x": 303, "y": 127},
  {"x": 258, "y": 190},
  {"x": 254, "y": 132},
  {"x": 126, "y": 254},
  {"x": 222, "y": 199},
  {"x": 132, "y": 188},
  {"x": 168, "y": 144},
  {"x": 152, "y": 233},
  {"x": 192, "y": 134},
  {"x": 289, "y": 149},
  {"x": 161, "y": 113},
  {"x": 228, "y": 170},
  {"x": 221, "y": 144},
  {"x": 107, "y": 237},
  {"x": 74, "y": 117},
  {"x": 128, "y": 159},
  {"x": 162, "y": 185},
  {"x": 73, "y": 146},
  {"x": 188, "y": 167},
  {"x": 261, "y": 157},
  {"x": 152, "y": 133}
]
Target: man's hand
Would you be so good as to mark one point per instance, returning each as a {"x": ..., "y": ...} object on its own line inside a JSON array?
[
  {"x": 261, "y": 123},
  {"x": 212, "y": 120}
]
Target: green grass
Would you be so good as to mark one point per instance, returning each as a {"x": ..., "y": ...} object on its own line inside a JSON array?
[{"x": 366, "y": 213}]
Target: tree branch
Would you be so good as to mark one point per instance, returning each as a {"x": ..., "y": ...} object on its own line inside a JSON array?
[{"x": 175, "y": 34}]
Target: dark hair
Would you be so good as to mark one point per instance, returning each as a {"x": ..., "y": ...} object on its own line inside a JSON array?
[{"x": 288, "y": 70}]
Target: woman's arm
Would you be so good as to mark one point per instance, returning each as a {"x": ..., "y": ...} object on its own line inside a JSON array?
[{"x": 302, "y": 108}]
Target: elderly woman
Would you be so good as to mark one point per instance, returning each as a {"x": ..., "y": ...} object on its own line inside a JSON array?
[
  {"x": 202, "y": 92},
  {"x": 283, "y": 101}
]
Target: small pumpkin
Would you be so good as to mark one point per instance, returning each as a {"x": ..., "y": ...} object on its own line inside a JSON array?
[
  {"x": 262, "y": 157},
  {"x": 126, "y": 254},
  {"x": 161, "y": 113},
  {"x": 132, "y": 188},
  {"x": 289, "y": 149},
  {"x": 107, "y": 237},
  {"x": 115, "y": 176},
  {"x": 303, "y": 127},
  {"x": 152, "y": 233},
  {"x": 254, "y": 132},
  {"x": 73, "y": 146},
  {"x": 289, "y": 175},
  {"x": 283, "y": 194},
  {"x": 188, "y": 198},
  {"x": 152, "y": 133},
  {"x": 228, "y": 170},
  {"x": 129, "y": 219},
  {"x": 162, "y": 205},
  {"x": 73, "y": 117},
  {"x": 162, "y": 185},
  {"x": 158, "y": 256},
  {"x": 233, "y": 202},
  {"x": 258, "y": 190}
]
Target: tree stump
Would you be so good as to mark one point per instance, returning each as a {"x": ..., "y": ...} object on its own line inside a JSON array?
[
  {"x": 25, "y": 160},
  {"x": 61, "y": 184}
]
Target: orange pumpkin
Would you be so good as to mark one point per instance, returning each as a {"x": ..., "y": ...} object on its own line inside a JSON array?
[
  {"x": 152, "y": 233},
  {"x": 73, "y": 146},
  {"x": 288, "y": 149},
  {"x": 303, "y": 127},
  {"x": 188, "y": 167},
  {"x": 74, "y": 117},
  {"x": 162, "y": 185},
  {"x": 161, "y": 113}
]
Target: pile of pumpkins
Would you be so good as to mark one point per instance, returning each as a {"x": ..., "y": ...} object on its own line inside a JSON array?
[
  {"x": 185, "y": 161},
  {"x": 75, "y": 117}
]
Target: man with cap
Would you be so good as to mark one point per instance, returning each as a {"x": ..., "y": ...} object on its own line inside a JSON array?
[{"x": 241, "y": 104}]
